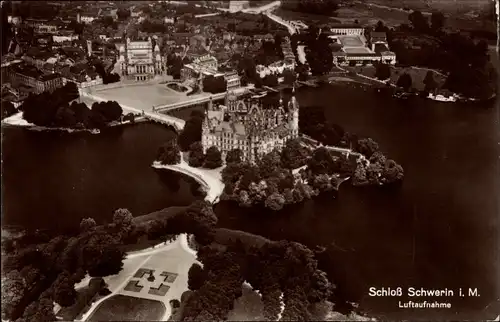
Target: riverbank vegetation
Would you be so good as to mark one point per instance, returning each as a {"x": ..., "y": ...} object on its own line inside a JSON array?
[
  {"x": 38, "y": 274},
  {"x": 53, "y": 110},
  {"x": 462, "y": 57}
]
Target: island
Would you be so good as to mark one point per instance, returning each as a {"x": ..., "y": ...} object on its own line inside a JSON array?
[{"x": 259, "y": 158}]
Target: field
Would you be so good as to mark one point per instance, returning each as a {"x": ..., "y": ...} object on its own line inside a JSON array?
[
  {"x": 356, "y": 50},
  {"x": 127, "y": 308},
  {"x": 351, "y": 41}
]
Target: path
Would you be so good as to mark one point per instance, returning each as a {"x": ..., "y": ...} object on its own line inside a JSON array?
[{"x": 210, "y": 179}]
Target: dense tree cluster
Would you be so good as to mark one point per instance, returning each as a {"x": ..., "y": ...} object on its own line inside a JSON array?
[
  {"x": 53, "y": 110},
  {"x": 41, "y": 273},
  {"x": 378, "y": 171},
  {"x": 36, "y": 275},
  {"x": 404, "y": 81},
  {"x": 214, "y": 85},
  {"x": 318, "y": 52},
  {"x": 462, "y": 56},
  {"x": 169, "y": 153},
  {"x": 8, "y": 109},
  {"x": 191, "y": 132},
  {"x": 270, "y": 182},
  {"x": 313, "y": 122},
  {"x": 382, "y": 71},
  {"x": 275, "y": 269}
]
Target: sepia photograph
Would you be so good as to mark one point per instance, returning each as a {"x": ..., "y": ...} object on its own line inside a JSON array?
[{"x": 250, "y": 160}]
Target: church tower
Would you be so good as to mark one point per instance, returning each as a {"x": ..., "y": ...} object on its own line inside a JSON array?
[{"x": 293, "y": 112}]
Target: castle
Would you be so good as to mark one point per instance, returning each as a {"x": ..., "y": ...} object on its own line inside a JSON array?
[
  {"x": 141, "y": 60},
  {"x": 244, "y": 123}
]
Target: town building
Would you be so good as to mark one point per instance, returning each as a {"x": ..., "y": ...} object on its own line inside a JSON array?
[
  {"x": 233, "y": 80},
  {"x": 64, "y": 36},
  {"x": 347, "y": 30},
  {"x": 275, "y": 68},
  {"x": 35, "y": 78},
  {"x": 244, "y": 123},
  {"x": 354, "y": 49},
  {"x": 141, "y": 59}
]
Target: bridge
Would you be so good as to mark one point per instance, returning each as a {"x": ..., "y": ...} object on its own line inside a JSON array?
[
  {"x": 197, "y": 101},
  {"x": 314, "y": 143},
  {"x": 194, "y": 102},
  {"x": 177, "y": 123}
]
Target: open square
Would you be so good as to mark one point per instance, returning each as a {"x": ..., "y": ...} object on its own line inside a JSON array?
[{"x": 142, "y": 97}]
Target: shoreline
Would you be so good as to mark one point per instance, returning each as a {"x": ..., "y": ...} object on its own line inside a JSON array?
[{"x": 16, "y": 120}]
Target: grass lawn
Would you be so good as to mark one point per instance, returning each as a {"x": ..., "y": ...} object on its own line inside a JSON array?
[
  {"x": 160, "y": 215},
  {"x": 417, "y": 75},
  {"x": 128, "y": 308},
  {"x": 224, "y": 236},
  {"x": 307, "y": 18}
]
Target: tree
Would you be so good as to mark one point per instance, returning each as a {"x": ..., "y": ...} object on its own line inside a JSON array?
[
  {"x": 437, "y": 21},
  {"x": 212, "y": 158},
  {"x": 196, "y": 155},
  {"x": 275, "y": 201},
  {"x": 191, "y": 132},
  {"x": 169, "y": 153},
  {"x": 392, "y": 172},
  {"x": 380, "y": 27},
  {"x": 269, "y": 163},
  {"x": 87, "y": 224},
  {"x": 196, "y": 277},
  {"x": 270, "y": 80},
  {"x": 8, "y": 109},
  {"x": 382, "y": 71},
  {"x": 100, "y": 255},
  {"x": 13, "y": 289},
  {"x": 419, "y": 21},
  {"x": 367, "y": 147},
  {"x": 429, "y": 82},
  {"x": 64, "y": 290},
  {"x": 404, "y": 81},
  {"x": 234, "y": 156},
  {"x": 359, "y": 178},
  {"x": 214, "y": 85},
  {"x": 123, "y": 218},
  {"x": 294, "y": 155},
  {"x": 41, "y": 310},
  {"x": 123, "y": 13}
]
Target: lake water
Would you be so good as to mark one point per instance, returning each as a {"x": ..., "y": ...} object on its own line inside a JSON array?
[
  {"x": 51, "y": 179},
  {"x": 438, "y": 230}
]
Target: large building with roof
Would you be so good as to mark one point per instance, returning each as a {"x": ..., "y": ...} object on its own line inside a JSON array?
[
  {"x": 244, "y": 123},
  {"x": 22, "y": 74},
  {"x": 141, "y": 60},
  {"x": 353, "y": 49}
]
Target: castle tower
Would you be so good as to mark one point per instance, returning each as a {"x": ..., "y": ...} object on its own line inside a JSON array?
[{"x": 293, "y": 112}]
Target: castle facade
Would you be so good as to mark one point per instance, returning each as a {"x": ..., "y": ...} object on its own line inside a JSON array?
[{"x": 244, "y": 123}]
